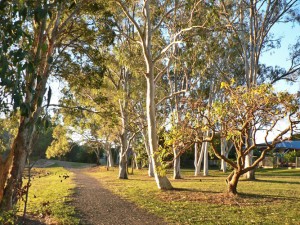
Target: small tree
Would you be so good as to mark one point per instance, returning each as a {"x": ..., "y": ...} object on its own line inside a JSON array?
[{"x": 258, "y": 107}]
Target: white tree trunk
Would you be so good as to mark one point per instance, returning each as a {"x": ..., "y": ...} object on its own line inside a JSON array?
[
  {"x": 150, "y": 167},
  {"x": 250, "y": 175},
  {"x": 123, "y": 167},
  {"x": 135, "y": 161},
  {"x": 223, "y": 152},
  {"x": 199, "y": 161},
  {"x": 161, "y": 180},
  {"x": 205, "y": 156},
  {"x": 195, "y": 155},
  {"x": 206, "y": 144},
  {"x": 123, "y": 151},
  {"x": 150, "y": 164},
  {"x": 176, "y": 171},
  {"x": 109, "y": 157}
]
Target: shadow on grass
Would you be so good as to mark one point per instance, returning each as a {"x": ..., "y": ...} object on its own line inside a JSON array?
[
  {"x": 278, "y": 172},
  {"x": 192, "y": 190},
  {"x": 271, "y": 181},
  {"x": 266, "y": 196},
  {"x": 245, "y": 196},
  {"x": 277, "y": 181},
  {"x": 30, "y": 220}
]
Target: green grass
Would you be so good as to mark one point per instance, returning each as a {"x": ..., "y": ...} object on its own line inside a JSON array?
[
  {"x": 274, "y": 198},
  {"x": 50, "y": 194}
]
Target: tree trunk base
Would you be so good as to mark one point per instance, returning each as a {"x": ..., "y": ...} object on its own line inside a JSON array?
[
  {"x": 163, "y": 183},
  {"x": 250, "y": 175},
  {"x": 177, "y": 177}
]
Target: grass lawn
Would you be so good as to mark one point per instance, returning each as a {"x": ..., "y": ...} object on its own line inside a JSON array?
[
  {"x": 49, "y": 196},
  {"x": 274, "y": 198}
]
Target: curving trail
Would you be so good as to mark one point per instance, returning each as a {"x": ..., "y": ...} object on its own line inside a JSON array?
[{"x": 97, "y": 205}]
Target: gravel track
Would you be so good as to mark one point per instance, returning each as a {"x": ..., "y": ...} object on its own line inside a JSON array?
[{"x": 97, "y": 205}]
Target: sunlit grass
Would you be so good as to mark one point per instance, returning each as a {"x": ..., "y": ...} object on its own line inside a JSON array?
[
  {"x": 49, "y": 195},
  {"x": 274, "y": 198}
]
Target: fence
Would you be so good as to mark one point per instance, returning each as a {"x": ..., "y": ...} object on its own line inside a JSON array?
[
  {"x": 298, "y": 162},
  {"x": 275, "y": 162},
  {"x": 268, "y": 162}
]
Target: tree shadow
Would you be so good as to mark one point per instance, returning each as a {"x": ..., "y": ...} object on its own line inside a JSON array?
[
  {"x": 192, "y": 190},
  {"x": 271, "y": 181},
  {"x": 266, "y": 196},
  {"x": 29, "y": 220}
]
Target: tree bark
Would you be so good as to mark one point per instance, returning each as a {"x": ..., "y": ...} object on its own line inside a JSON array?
[
  {"x": 20, "y": 150},
  {"x": 150, "y": 164},
  {"x": 97, "y": 153},
  {"x": 123, "y": 173},
  {"x": 176, "y": 171},
  {"x": 4, "y": 171},
  {"x": 205, "y": 156},
  {"x": 199, "y": 161},
  {"x": 250, "y": 175},
  {"x": 150, "y": 167},
  {"x": 225, "y": 149},
  {"x": 161, "y": 180},
  {"x": 232, "y": 183},
  {"x": 110, "y": 158},
  {"x": 195, "y": 155}
]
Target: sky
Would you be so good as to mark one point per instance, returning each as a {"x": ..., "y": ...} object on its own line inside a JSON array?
[{"x": 280, "y": 57}]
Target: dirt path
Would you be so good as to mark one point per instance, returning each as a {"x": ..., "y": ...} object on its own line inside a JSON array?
[{"x": 97, "y": 205}]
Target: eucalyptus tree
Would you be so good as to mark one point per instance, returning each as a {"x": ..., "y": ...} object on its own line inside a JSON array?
[
  {"x": 251, "y": 23},
  {"x": 90, "y": 102},
  {"x": 151, "y": 17},
  {"x": 32, "y": 33},
  {"x": 121, "y": 78},
  {"x": 104, "y": 85}
]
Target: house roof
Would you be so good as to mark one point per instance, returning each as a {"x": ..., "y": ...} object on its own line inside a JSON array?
[{"x": 288, "y": 145}]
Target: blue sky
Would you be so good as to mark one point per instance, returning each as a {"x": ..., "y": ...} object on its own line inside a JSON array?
[{"x": 280, "y": 57}]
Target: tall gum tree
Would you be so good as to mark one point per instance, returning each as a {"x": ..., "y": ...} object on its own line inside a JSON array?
[
  {"x": 122, "y": 78},
  {"x": 152, "y": 15},
  {"x": 47, "y": 22}
]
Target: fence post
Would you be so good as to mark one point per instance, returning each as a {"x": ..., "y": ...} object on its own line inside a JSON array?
[{"x": 297, "y": 162}]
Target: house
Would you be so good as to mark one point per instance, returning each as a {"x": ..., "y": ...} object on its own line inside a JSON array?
[
  {"x": 278, "y": 159},
  {"x": 287, "y": 146}
]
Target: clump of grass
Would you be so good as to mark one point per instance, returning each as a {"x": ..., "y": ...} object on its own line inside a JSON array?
[
  {"x": 8, "y": 217},
  {"x": 49, "y": 195},
  {"x": 272, "y": 199}
]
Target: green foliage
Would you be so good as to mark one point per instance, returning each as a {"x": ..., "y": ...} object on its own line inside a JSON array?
[
  {"x": 81, "y": 154},
  {"x": 60, "y": 145},
  {"x": 290, "y": 156},
  {"x": 8, "y": 130},
  {"x": 245, "y": 107},
  {"x": 8, "y": 217},
  {"x": 42, "y": 142},
  {"x": 12, "y": 57}
]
